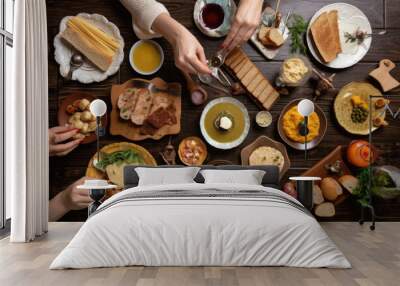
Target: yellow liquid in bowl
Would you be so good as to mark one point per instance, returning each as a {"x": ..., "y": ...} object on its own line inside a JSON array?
[
  {"x": 229, "y": 135},
  {"x": 146, "y": 57}
]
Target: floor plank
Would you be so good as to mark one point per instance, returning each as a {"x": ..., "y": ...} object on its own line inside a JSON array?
[{"x": 375, "y": 257}]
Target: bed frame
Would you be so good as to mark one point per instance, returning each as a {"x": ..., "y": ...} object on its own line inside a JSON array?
[{"x": 271, "y": 177}]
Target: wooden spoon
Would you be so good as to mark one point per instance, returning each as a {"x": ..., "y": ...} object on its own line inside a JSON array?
[{"x": 198, "y": 95}]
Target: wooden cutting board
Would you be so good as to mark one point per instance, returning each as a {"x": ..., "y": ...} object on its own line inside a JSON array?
[
  {"x": 131, "y": 131},
  {"x": 319, "y": 170}
]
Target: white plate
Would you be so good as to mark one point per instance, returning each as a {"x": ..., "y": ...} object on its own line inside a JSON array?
[
  {"x": 222, "y": 30},
  {"x": 87, "y": 73},
  {"x": 225, "y": 145},
  {"x": 350, "y": 18},
  {"x": 267, "y": 52}
]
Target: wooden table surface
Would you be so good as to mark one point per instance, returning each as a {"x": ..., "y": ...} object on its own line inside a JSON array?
[{"x": 383, "y": 15}]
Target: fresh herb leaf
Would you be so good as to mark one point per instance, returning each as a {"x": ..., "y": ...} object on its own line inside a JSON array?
[
  {"x": 126, "y": 156},
  {"x": 297, "y": 28},
  {"x": 361, "y": 191}
]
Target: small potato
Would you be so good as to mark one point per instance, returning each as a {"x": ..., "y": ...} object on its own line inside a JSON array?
[
  {"x": 85, "y": 128},
  {"x": 93, "y": 117},
  {"x": 78, "y": 124},
  {"x": 92, "y": 126},
  {"x": 86, "y": 116},
  {"x": 84, "y": 104},
  {"x": 77, "y": 115},
  {"x": 70, "y": 109},
  {"x": 78, "y": 136},
  {"x": 76, "y": 103}
]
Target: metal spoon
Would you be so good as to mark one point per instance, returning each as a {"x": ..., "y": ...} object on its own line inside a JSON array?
[
  {"x": 208, "y": 80},
  {"x": 218, "y": 59},
  {"x": 76, "y": 62}
]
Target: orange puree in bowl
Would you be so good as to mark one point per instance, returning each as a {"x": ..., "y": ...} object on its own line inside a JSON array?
[{"x": 146, "y": 57}]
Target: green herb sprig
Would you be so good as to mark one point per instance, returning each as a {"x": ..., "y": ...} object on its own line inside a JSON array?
[
  {"x": 126, "y": 156},
  {"x": 361, "y": 191},
  {"x": 297, "y": 29}
]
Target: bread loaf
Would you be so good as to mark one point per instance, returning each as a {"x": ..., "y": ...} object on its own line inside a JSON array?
[
  {"x": 275, "y": 38},
  {"x": 318, "y": 198},
  {"x": 349, "y": 182},
  {"x": 326, "y": 209},
  {"x": 330, "y": 188}
]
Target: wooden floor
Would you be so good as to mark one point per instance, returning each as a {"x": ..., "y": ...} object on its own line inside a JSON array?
[{"x": 375, "y": 257}]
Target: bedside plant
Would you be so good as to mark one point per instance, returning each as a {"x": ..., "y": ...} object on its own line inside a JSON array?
[{"x": 385, "y": 183}]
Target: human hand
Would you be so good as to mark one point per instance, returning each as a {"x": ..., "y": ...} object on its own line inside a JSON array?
[
  {"x": 74, "y": 198},
  {"x": 246, "y": 21},
  {"x": 188, "y": 52},
  {"x": 59, "y": 134}
]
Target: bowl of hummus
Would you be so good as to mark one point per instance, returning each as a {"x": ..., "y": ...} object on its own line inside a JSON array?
[{"x": 295, "y": 71}]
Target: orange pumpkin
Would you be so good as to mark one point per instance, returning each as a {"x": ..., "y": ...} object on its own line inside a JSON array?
[{"x": 360, "y": 153}]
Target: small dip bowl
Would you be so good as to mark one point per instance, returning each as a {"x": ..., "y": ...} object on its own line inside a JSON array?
[
  {"x": 283, "y": 81},
  {"x": 264, "y": 118},
  {"x": 144, "y": 48}
]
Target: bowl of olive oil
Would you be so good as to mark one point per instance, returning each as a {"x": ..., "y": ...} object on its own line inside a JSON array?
[{"x": 146, "y": 57}]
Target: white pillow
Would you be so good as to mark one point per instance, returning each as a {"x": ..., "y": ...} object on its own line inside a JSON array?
[
  {"x": 166, "y": 176},
  {"x": 246, "y": 177}
]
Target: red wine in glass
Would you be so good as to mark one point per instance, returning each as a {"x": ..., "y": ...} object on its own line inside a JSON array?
[{"x": 212, "y": 15}]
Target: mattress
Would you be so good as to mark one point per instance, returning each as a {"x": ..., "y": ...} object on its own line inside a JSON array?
[{"x": 201, "y": 225}]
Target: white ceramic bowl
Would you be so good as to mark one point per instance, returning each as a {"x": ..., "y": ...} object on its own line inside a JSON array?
[{"x": 135, "y": 45}]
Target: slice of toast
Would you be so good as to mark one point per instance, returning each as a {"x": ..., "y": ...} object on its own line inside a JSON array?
[
  {"x": 325, "y": 37},
  {"x": 251, "y": 74},
  {"x": 239, "y": 67},
  {"x": 233, "y": 55},
  {"x": 245, "y": 69},
  {"x": 251, "y": 78},
  {"x": 254, "y": 82},
  {"x": 333, "y": 22}
]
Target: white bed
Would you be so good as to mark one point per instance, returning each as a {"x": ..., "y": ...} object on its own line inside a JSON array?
[{"x": 203, "y": 225}]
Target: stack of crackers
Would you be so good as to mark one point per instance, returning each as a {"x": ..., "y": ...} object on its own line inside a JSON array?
[{"x": 252, "y": 78}]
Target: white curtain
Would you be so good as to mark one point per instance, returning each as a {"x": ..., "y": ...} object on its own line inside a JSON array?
[{"x": 27, "y": 124}]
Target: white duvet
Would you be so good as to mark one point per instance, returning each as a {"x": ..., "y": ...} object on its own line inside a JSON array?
[{"x": 207, "y": 230}]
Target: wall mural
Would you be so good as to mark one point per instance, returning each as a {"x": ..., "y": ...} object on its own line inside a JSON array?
[{"x": 249, "y": 110}]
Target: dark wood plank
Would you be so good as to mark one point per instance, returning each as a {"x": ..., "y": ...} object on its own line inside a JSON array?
[{"x": 392, "y": 14}]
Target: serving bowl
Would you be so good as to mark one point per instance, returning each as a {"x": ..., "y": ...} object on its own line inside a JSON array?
[
  {"x": 206, "y": 132},
  {"x": 297, "y": 145}
]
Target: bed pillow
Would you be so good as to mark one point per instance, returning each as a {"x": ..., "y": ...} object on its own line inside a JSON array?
[
  {"x": 245, "y": 177},
  {"x": 166, "y": 176}
]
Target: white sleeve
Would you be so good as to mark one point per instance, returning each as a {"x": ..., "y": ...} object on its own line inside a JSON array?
[{"x": 144, "y": 12}]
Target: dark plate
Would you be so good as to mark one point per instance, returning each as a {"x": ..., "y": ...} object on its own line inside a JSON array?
[
  {"x": 268, "y": 142},
  {"x": 301, "y": 146}
]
